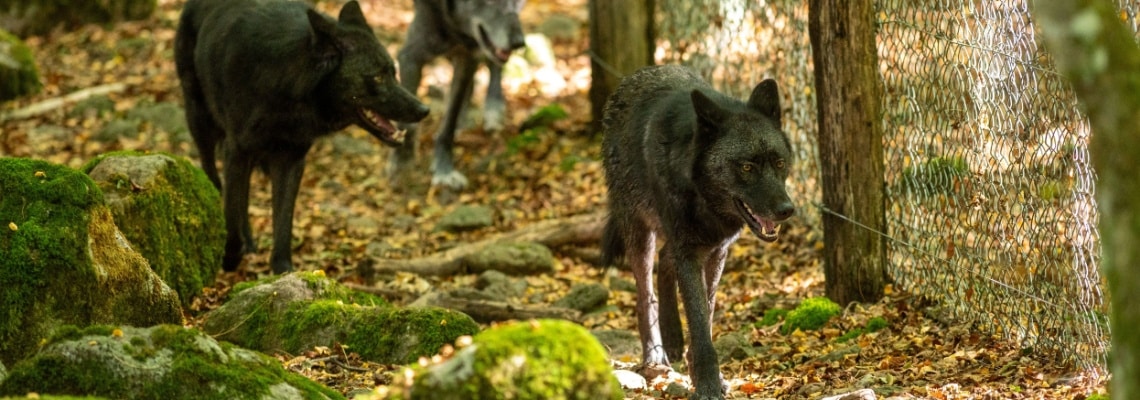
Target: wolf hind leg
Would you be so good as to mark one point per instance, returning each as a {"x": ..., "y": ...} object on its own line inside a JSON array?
[
  {"x": 443, "y": 164},
  {"x": 494, "y": 105},
  {"x": 671, "y": 334}
]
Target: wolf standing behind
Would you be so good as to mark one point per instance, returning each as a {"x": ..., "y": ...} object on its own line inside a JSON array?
[
  {"x": 264, "y": 80},
  {"x": 694, "y": 166},
  {"x": 460, "y": 29}
]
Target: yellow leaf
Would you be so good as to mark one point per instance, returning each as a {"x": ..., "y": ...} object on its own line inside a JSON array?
[
  {"x": 13, "y": 227},
  {"x": 117, "y": 333},
  {"x": 41, "y": 174}
]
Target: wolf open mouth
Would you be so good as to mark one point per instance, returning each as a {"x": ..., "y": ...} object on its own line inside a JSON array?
[
  {"x": 381, "y": 128},
  {"x": 766, "y": 229},
  {"x": 500, "y": 55}
]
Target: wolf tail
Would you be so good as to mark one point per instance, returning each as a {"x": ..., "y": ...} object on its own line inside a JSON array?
[{"x": 613, "y": 247}]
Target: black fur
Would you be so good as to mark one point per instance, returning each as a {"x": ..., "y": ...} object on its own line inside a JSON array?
[
  {"x": 465, "y": 31},
  {"x": 263, "y": 80},
  {"x": 693, "y": 166}
]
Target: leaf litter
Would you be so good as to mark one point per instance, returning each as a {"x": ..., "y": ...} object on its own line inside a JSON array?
[{"x": 350, "y": 213}]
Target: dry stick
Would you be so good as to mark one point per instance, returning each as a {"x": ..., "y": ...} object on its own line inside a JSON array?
[
  {"x": 487, "y": 311},
  {"x": 585, "y": 228},
  {"x": 57, "y": 102}
]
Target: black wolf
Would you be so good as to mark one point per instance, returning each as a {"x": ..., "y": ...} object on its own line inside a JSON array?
[
  {"x": 694, "y": 166},
  {"x": 466, "y": 31},
  {"x": 264, "y": 79}
]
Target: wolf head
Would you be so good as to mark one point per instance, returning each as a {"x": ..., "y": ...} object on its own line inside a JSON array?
[
  {"x": 360, "y": 82},
  {"x": 493, "y": 23},
  {"x": 744, "y": 157}
]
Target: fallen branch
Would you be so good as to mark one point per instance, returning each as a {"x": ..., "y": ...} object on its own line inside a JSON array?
[
  {"x": 578, "y": 229},
  {"x": 861, "y": 394},
  {"x": 57, "y": 102}
]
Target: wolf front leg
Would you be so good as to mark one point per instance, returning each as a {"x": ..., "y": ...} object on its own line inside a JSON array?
[
  {"x": 285, "y": 171},
  {"x": 443, "y": 164},
  {"x": 671, "y": 333},
  {"x": 705, "y": 371},
  {"x": 640, "y": 243}
]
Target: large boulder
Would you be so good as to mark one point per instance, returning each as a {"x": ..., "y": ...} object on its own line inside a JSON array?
[
  {"x": 538, "y": 359},
  {"x": 160, "y": 362},
  {"x": 39, "y": 17},
  {"x": 18, "y": 74},
  {"x": 65, "y": 262},
  {"x": 298, "y": 311},
  {"x": 169, "y": 211}
]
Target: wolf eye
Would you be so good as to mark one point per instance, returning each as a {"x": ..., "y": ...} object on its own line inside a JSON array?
[
  {"x": 746, "y": 167},
  {"x": 779, "y": 164},
  {"x": 378, "y": 79}
]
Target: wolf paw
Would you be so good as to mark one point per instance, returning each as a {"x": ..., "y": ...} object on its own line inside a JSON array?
[
  {"x": 494, "y": 119},
  {"x": 452, "y": 180}
]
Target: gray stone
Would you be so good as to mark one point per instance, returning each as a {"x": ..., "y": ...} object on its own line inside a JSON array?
[
  {"x": 156, "y": 362},
  {"x": 118, "y": 128},
  {"x": 500, "y": 286},
  {"x": 467, "y": 218},
  {"x": 94, "y": 106},
  {"x": 585, "y": 297},
  {"x": 734, "y": 346},
  {"x": 164, "y": 116},
  {"x": 619, "y": 343},
  {"x": 520, "y": 258}
]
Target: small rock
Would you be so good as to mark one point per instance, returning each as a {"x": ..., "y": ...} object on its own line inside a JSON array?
[
  {"x": 630, "y": 380},
  {"x": 499, "y": 286},
  {"x": 165, "y": 116},
  {"x": 624, "y": 285},
  {"x": 585, "y": 297},
  {"x": 467, "y": 218},
  {"x": 523, "y": 258},
  {"x": 619, "y": 343},
  {"x": 117, "y": 128},
  {"x": 94, "y": 106},
  {"x": 734, "y": 346}
]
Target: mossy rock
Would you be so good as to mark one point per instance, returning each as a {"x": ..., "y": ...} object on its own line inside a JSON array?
[
  {"x": 65, "y": 261},
  {"x": 18, "y": 74},
  {"x": 41, "y": 16},
  {"x": 518, "y": 258},
  {"x": 171, "y": 213},
  {"x": 467, "y": 218},
  {"x": 811, "y": 314},
  {"x": 542, "y": 359},
  {"x": 298, "y": 311},
  {"x": 160, "y": 362}
]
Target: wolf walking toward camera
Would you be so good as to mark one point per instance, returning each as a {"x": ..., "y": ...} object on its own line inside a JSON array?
[
  {"x": 694, "y": 166},
  {"x": 467, "y": 31},
  {"x": 263, "y": 80}
]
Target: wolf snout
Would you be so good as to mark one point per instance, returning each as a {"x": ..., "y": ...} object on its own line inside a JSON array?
[
  {"x": 784, "y": 210},
  {"x": 420, "y": 111}
]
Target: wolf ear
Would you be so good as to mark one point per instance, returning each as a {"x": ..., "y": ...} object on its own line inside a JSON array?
[
  {"x": 765, "y": 98},
  {"x": 708, "y": 111},
  {"x": 351, "y": 14},
  {"x": 324, "y": 41}
]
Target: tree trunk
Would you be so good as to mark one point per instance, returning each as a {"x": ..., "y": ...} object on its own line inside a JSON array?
[
  {"x": 621, "y": 41},
  {"x": 850, "y": 147},
  {"x": 1100, "y": 57}
]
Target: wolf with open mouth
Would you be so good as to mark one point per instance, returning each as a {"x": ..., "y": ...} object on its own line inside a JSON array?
[
  {"x": 693, "y": 166},
  {"x": 263, "y": 80},
  {"x": 468, "y": 32}
]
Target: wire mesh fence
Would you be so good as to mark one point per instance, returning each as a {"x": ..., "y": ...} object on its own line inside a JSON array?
[{"x": 990, "y": 191}]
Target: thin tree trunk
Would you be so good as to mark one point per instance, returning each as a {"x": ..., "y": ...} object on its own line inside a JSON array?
[
  {"x": 621, "y": 41},
  {"x": 850, "y": 147},
  {"x": 1100, "y": 57}
]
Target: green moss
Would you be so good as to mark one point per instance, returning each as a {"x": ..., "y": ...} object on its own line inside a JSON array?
[
  {"x": 772, "y": 316},
  {"x": 43, "y": 227},
  {"x": 408, "y": 333},
  {"x": 937, "y": 175},
  {"x": 175, "y": 222},
  {"x": 21, "y": 81},
  {"x": 811, "y": 314},
  {"x": 545, "y": 359},
  {"x": 876, "y": 324},
  {"x": 1097, "y": 396}
]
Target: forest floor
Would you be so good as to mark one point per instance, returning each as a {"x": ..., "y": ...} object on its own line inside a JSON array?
[{"x": 349, "y": 214}]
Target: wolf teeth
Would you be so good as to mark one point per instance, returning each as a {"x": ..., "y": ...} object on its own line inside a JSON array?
[{"x": 399, "y": 135}]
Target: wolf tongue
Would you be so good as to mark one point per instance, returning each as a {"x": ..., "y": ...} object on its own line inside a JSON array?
[{"x": 769, "y": 226}]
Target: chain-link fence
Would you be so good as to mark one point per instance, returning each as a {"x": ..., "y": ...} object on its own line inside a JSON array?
[{"x": 990, "y": 190}]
